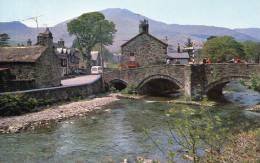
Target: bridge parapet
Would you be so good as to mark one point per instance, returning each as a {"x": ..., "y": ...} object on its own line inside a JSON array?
[
  {"x": 195, "y": 80},
  {"x": 137, "y": 75},
  {"x": 215, "y": 72}
]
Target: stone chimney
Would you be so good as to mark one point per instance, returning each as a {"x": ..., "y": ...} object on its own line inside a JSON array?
[
  {"x": 61, "y": 43},
  {"x": 144, "y": 26},
  {"x": 29, "y": 42},
  {"x": 45, "y": 38},
  {"x": 179, "y": 48}
]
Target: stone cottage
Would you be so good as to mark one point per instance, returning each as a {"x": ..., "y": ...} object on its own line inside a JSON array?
[
  {"x": 69, "y": 58},
  {"x": 177, "y": 57},
  {"x": 145, "y": 48},
  {"x": 37, "y": 66}
]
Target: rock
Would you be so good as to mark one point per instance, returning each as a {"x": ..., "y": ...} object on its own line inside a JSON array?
[
  {"x": 92, "y": 96},
  {"x": 12, "y": 129},
  {"x": 187, "y": 157}
]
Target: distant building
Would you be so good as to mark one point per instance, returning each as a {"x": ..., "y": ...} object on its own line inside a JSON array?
[
  {"x": 69, "y": 58},
  {"x": 144, "y": 47},
  {"x": 95, "y": 58},
  {"x": 32, "y": 66},
  {"x": 177, "y": 57}
]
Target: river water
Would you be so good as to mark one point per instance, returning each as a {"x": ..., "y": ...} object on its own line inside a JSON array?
[{"x": 116, "y": 133}]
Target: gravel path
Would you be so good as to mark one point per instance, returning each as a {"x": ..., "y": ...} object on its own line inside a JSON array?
[{"x": 53, "y": 114}]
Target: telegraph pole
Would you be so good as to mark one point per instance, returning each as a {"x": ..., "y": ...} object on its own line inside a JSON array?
[{"x": 101, "y": 57}]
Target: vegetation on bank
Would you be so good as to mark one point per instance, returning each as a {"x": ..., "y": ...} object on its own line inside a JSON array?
[
  {"x": 255, "y": 82},
  {"x": 11, "y": 105},
  {"x": 201, "y": 136},
  {"x": 225, "y": 48}
]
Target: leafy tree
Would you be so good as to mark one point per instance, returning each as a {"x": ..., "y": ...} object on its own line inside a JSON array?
[
  {"x": 193, "y": 130},
  {"x": 90, "y": 29},
  {"x": 211, "y": 37},
  {"x": 252, "y": 51},
  {"x": 255, "y": 82},
  {"x": 224, "y": 48},
  {"x": 4, "y": 37}
]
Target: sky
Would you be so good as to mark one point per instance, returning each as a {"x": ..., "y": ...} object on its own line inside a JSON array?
[{"x": 222, "y": 13}]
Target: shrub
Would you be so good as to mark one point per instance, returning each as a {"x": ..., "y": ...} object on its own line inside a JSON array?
[
  {"x": 255, "y": 82},
  {"x": 130, "y": 89},
  {"x": 11, "y": 105}
]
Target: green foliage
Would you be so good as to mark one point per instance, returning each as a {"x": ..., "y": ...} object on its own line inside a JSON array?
[
  {"x": 224, "y": 48},
  {"x": 193, "y": 130},
  {"x": 107, "y": 56},
  {"x": 255, "y": 82},
  {"x": 130, "y": 89},
  {"x": 90, "y": 29},
  {"x": 4, "y": 37},
  {"x": 252, "y": 51},
  {"x": 18, "y": 104},
  {"x": 113, "y": 89}
]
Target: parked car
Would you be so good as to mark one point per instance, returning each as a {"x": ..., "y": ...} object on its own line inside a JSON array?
[{"x": 96, "y": 70}]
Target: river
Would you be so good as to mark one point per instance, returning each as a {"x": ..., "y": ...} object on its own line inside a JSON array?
[{"x": 116, "y": 133}]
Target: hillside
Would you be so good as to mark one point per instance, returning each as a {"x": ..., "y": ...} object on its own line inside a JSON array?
[{"x": 127, "y": 26}]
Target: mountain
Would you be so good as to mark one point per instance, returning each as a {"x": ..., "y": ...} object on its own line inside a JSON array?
[
  {"x": 127, "y": 24},
  {"x": 253, "y": 32}
]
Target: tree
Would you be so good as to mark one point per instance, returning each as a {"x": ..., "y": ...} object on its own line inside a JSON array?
[
  {"x": 211, "y": 37},
  {"x": 193, "y": 130},
  {"x": 4, "y": 37},
  {"x": 252, "y": 51},
  {"x": 90, "y": 29},
  {"x": 224, "y": 48}
]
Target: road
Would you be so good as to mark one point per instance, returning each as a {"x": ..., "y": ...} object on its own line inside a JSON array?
[{"x": 86, "y": 79}]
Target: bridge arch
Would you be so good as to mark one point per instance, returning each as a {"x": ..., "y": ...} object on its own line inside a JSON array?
[
  {"x": 118, "y": 84},
  {"x": 214, "y": 90},
  {"x": 159, "y": 85}
]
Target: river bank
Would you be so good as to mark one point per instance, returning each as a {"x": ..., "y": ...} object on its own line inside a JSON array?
[{"x": 54, "y": 114}]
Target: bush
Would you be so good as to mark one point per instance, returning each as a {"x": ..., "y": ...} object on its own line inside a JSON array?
[
  {"x": 255, "y": 82},
  {"x": 130, "y": 89},
  {"x": 11, "y": 105}
]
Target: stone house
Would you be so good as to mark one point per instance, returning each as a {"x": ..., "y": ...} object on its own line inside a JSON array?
[
  {"x": 32, "y": 66},
  {"x": 69, "y": 58},
  {"x": 177, "y": 57},
  {"x": 145, "y": 48}
]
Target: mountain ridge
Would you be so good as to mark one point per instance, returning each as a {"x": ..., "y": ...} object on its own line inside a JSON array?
[{"x": 127, "y": 27}]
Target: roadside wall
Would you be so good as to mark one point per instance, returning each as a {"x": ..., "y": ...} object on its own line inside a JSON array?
[{"x": 55, "y": 94}]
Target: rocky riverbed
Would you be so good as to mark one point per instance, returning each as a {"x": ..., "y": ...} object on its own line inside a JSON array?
[{"x": 54, "y": 114}]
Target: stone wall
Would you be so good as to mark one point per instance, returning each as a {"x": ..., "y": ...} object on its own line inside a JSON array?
[
  {"x": 196, "y": 80},
  {"x": 146, "y": 49},
  {"x": 45, "y": 72},
  {"x": 138, "y": 75},
  {"x": 62, "y": 93},
  {"x": 48, "y": 70},
  {"x": 20, "y": 70}
]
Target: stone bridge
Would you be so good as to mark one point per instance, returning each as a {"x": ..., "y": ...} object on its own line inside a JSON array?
[{"x": 193, "y": 80}]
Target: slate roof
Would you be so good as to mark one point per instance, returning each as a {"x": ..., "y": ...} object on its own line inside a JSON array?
[
  {"x": 176, "y": 55},
  {"x": 158, "y": 40},
  {"x": 21, "y": 54}
]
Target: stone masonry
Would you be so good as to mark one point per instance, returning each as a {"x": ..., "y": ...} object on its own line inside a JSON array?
[
  {"x": 147, "y": 49},
  {"x": 193, "y": 80}
]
